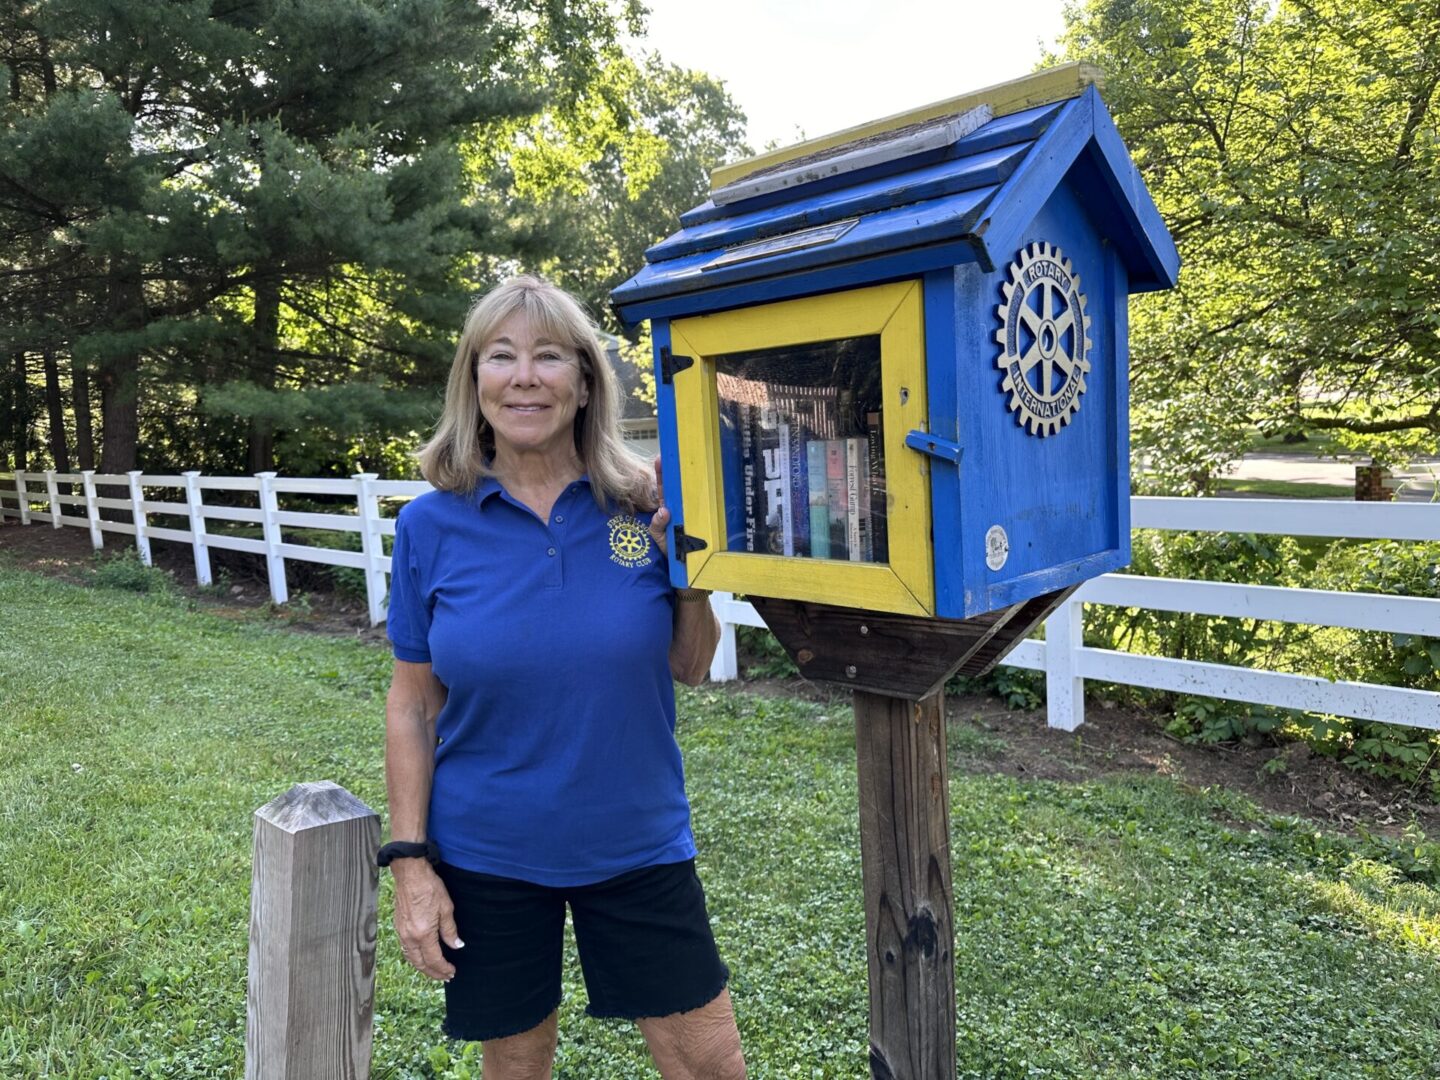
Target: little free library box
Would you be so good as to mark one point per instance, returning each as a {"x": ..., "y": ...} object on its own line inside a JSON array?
[
  {"x": 893, "y": 400},
  {"x": 891, "y": 376}
]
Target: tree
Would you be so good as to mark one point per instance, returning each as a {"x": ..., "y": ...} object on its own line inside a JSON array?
[
  {"x": 264, "y": 192},
  {"x": 611, "y": 175},
  {"x": 1292, "y": 148}
]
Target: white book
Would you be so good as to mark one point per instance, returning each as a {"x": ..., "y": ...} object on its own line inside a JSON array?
[{"x": 855, "y": 452}]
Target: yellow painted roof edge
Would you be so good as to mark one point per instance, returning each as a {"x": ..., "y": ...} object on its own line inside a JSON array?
[{"x": 1039, "y": 88}]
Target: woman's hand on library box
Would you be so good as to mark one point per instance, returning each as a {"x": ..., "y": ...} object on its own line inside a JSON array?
[{"x": 661, "y": 521}]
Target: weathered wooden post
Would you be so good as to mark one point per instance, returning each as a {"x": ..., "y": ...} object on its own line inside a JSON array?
[
  {"x": 871, "y": 351},
  {"x": 905, "y": 855},
  {"x": 311, "y": 990}
]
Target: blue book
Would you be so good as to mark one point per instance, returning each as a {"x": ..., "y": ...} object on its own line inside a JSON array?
[
  {"x": 794, "y": 435},
  {"x": 732, "y": 470}
]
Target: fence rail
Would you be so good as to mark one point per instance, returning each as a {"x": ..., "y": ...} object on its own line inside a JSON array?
[
  {"x": 23, "y": 494},
  {"x": 1062, "y": 656}
]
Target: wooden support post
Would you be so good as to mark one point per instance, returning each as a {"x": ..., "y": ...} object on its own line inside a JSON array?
[
  {"x": 372, "y": 544},
  {"x": 92, "y": 512},
  {"x": 24, "y": 496},
  {"x": 274, "y": 562},
  {"x": 1064, "y": 688},
  {"x": 195, "y": 507},
  {"x": 726, "y": 665},
  {"x": 905, "y": 855},
  {"x": 311, "y": 993},
  {"x": 52, "y": 490},
  {"x": 137, "y": 515}
]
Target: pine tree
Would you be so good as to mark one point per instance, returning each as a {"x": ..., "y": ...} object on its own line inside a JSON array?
[{"x": 247, "y": 208}]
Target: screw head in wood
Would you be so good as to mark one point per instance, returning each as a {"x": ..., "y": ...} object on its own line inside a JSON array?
[
  {"x": 864, "y": 631},
  {"x": 850, "y": 671}
]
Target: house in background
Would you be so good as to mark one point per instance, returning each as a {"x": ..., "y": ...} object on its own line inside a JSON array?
[{"x": 637, "y": 417}]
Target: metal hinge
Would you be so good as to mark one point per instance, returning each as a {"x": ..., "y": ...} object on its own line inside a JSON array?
[
  {"x": 670, "y": 363},
  {"x": 684, "y": 545}
]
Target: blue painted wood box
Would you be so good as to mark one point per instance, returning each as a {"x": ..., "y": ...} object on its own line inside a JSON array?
[{"x": 936, "y": 302}]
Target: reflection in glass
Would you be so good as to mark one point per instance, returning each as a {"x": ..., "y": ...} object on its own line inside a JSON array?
[{"x": 802, "y": 450}]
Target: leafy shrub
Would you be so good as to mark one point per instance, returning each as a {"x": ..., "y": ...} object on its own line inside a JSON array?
[
  {"x": 761, "y": 655},
  {"x": 125, "y": 571},
  {"x": 1381, "y": 566},
  {"x": 347, "y": 581},
  {"x": 1019, "y": 688},
  {"x": 1228, "y": 557},
  {"x": 1412, "y": 660},
  {"x": 1247, "y": 558}
]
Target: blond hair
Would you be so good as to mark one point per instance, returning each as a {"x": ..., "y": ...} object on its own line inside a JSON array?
[{"x": 460, "y": 454}]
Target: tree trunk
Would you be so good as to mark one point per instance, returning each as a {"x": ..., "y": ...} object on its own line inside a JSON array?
[
  {"x": 7, "y": 423},
  {"x": 84, "y": 430},
  {"x": 20, "y": 414},
  {"x": 265, "y": 331},
  {"x": 55, "y": 405},
  {"x": 119, "y": 376}
]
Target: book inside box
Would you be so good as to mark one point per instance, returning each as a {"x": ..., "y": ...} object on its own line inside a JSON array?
[{"x": 802, "y": 450}]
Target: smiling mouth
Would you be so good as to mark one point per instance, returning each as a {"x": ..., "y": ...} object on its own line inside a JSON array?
[{"x": 527, "y": 408}]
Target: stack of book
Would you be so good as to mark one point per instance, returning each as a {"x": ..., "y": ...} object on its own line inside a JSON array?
[{"x": 804, "y": 475}]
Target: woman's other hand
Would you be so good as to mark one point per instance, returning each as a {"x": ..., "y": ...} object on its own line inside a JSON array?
[
  {"x": 661, "y": 520},
  {"x": 424, "y": 916}
]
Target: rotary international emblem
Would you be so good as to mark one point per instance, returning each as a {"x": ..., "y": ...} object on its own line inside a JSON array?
[
  {"x": 630, "y": 542},
  {"x": 1044, "y": 339}
]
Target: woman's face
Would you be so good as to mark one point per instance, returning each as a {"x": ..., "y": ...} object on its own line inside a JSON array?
[{"x": 530, "y": 389}]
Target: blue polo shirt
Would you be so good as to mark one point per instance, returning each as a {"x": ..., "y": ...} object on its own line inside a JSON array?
[{"x": 556, "y": 760}]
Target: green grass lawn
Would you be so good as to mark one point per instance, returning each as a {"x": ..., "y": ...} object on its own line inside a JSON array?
[
  {"x": 1317, "y": 443},
  {"x": 1285, "y": 489},
  {"x": 1108, "y": 928}
]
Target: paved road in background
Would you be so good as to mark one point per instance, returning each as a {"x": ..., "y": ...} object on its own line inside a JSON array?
[{"x": 1419, "y": 481}]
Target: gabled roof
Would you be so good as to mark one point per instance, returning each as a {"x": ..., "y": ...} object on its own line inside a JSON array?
[{"x": 936, "y": 191}]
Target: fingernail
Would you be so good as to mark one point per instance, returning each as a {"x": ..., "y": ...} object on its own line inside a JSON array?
[{"x": 459, "y": 944}]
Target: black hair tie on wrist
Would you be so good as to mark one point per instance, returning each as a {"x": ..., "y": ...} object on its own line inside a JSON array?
[{"x": 408, "y": 849}]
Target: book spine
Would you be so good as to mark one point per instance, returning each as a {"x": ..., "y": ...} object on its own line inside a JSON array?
[
  {"x": 732, "y": 469},
  {"x": 835, "y": 496},
  {"x": 799, "y": 479},
  {"x": 879, "y": 508},
  {"x": 752, "y": 478},
  {"x": 787, "y": 503},
  {"x": 853, "y": 455},
  {"x": 775, "y": 501},
  {"x": 819, "y": 508},
  {"x": 867, "y": 519}
]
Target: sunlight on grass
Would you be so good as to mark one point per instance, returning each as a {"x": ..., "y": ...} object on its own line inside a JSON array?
[{"x": 1114, "y": 927}]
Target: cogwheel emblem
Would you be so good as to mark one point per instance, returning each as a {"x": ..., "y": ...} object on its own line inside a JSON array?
[
  {"x": 1044, "y": 339},
  {"x": 630, "y": 542}
]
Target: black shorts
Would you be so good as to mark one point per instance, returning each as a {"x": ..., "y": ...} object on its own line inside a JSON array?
[{"x": 644, "y": 940}]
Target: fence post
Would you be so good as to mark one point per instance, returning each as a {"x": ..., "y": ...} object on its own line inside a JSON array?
[
  {"x": 726, "y": 666},
  {"x": 92, "y": 512},
  {"x": 52, "y": 489},
  {"x": 137, "y": 516},
  {"x": 1064, "y": 689},
  {"x": 275, "y": 564},
  {"x": 310, "y": 996},
  {"x": 24, "y": 496},
  {"x": 372, "y": 544},
  {"x": 195, "y": 504}
]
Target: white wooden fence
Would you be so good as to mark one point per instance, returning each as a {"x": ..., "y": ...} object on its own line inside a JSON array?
[
  {"x": 1066, "y": 661},
  {"x": 189, "y": 506}
]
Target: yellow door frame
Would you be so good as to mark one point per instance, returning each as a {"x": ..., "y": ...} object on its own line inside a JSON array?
[{"x": 894, "y": 312}]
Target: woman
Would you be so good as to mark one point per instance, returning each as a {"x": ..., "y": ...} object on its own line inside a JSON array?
[{"x": 530, "y": 751}]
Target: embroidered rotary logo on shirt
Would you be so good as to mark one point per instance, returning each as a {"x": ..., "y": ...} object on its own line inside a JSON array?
[
  {"x": 630, "y": 543},
  {"x": 1044, "y": 339}
]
